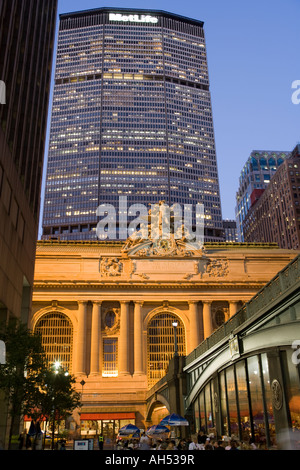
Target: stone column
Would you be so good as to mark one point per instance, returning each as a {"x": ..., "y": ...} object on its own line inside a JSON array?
[
  {"x": 233, "y": 307},
  {"x": 81, "y": 338},
  {"x": 194, "y": 325},
  {"x": 138, "y": 338},
  {"x": 123, "y": 350},
  {"x": 207, "y": 320},
  {"x": 96, "y": 338}
]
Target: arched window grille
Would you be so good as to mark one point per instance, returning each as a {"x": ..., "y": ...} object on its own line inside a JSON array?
[
  {"x": 56, "y": 331},
  {"x": 161, "y": 344}
]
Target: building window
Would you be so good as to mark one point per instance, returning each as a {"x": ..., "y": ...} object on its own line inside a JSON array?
[
  {"x": 110, "y": 357},
  {"x": 160, "y": 344},
  {"x": 57, "y": 338}
]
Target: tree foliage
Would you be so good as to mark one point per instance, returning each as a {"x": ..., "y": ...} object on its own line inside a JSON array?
[
  {"x": 25, "y": 360},
  {"x": 30, "y": 386},
  {"x": 55, "y": 399}
]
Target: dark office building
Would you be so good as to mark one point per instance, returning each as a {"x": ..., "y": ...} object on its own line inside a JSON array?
[
  {"x": 230, "y": 231},
  {"x": 131, "y": 116},
  {"x": 27, "y": 31}
]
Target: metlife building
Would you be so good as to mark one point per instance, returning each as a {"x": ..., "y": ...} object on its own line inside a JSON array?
[{"x": 131, "y": 116}]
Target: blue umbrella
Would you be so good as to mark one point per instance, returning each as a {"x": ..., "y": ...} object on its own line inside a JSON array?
[
  {"x": 129, "y": 429},
  {"x": 157, "y": 429},
  {"x": 174, "y": 420}
]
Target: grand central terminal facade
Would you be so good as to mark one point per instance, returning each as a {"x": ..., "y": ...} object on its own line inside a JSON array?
[{"x": 113, "y": 313}]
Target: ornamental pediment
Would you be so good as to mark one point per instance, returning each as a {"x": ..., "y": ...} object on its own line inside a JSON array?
[{"x": 162, "y": 248}]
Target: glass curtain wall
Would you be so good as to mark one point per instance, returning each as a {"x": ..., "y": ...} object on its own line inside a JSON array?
[{"x": 245, "y": 401}]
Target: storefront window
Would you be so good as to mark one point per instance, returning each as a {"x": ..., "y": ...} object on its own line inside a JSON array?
[
  {"x": 88, "y": 428},
  {"x": 243, "y": 401},
  {"x": 197, "y": 417},
  {"x": 108, "y": 429},
  {"x": 232, "y": 406},
  {"x": 256, "y": 399},
  {"x": 208, "y": 408},
  {"x": 293, "y": 392},
  {"x": 213, "y": 396},
  {"x": 202, "y": 411},
  {"x": 268, "y": 398},
  {"x": 223, "y": 404}
]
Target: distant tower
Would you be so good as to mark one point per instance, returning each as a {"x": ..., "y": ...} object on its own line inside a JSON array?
[{"x": 255, "y": 177}]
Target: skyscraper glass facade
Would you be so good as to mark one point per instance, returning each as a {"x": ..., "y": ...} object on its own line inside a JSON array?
[
  {"x": 255, "y": 177},
  {"x": 132, "y": 117}
]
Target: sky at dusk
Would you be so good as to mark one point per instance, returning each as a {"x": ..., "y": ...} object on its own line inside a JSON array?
[{"x": 253, "y": 50}]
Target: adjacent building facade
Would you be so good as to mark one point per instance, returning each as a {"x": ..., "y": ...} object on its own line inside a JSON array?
[
  {"x": 106, "y": 310},
  {"x": 275, "y": 216},
  {"x": 27, "y": 31},
  {"x": 244, "y": 381},
  {"x": 131, "y": 117},
  {"x": 255, "y": 177},
  {"x": 26, "y": 49}
]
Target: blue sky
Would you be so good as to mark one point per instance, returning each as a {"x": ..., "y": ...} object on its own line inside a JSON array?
[{"x": 253, "y": 58}]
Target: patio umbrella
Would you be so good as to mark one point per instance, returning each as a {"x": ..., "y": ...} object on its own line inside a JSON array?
[
  {"x": 174, "y": 420},
  {"x": 157, "y": 429},
  {"x": 129, "y": 430}
]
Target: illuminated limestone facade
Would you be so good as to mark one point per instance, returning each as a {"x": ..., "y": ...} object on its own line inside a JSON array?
[{"x": 105, "y": 311}]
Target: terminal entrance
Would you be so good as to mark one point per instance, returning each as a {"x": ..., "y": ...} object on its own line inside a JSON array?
[
  {"x": 110, "y": 429},
  {"x": 107, "y": 424}
]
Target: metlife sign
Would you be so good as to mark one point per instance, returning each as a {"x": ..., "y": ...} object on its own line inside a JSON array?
[{"x": 133, "y": 18}]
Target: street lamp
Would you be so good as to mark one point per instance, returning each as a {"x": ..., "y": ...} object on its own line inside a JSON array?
[
  {"x": 82, "y": 383},
  {"x": 175, "y": 324},
  {"x": 56, "y": 366}
]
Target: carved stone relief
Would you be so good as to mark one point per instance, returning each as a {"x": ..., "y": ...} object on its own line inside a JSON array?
[
  {"x": 217, "y": 268},
  {"x": 111, "y": 267}
]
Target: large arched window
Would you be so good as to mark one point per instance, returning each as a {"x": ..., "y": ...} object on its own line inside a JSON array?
[
  {"x": 57, "y": 338},
  {"x": 161, "y": 344}
]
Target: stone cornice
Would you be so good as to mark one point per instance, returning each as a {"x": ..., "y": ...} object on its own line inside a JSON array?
[
  {"x": 148, "y": 285},
  {"x": 119, "y": 243}
]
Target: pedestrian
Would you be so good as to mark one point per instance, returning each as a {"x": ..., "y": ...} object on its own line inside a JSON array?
[
  {"x": 182, "y": 445},
  {"x": 220, "y": 445},
  {"x": 233, "y": 445},
  {"x": 194, "y": 445},
  {"x": 201, "y": 437},
  {"x": 28, "y": 442},
  {"x": 100, "y": 441},
  {"x": 22, "y": 439},
  {"x": 144, "y": 442},
  {"x": 62, "y": 444},
  {"x": 208, "y": 446},
  {"x": 171, "y": 446}
]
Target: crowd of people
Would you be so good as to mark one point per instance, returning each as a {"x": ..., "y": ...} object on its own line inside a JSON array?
[{"x": 199, "y": 441}]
